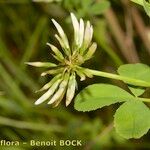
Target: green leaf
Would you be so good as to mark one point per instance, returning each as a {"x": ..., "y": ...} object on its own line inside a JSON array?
[
  {"x": 146, "y": 6},
  {"x": 132, "y": 119},
  {"x": 99, "y": 95},
  {"x": 136, "y": 71},
  {"x": 140, "y": 2},
  {"x": 99, "y": 8},
  {"x": 137, "y": 91}
]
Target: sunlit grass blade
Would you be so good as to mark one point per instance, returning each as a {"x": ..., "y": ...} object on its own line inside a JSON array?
[
  {"x": 15, "y": 90},
  {"x": 33, "y": 41},
  {"x": 20, "y": 75}
]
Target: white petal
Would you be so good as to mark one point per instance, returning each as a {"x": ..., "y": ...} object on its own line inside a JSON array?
[
  {"x": 61, "y": 33},
  {"x": 91, "y": 32},
  {"x": 50, "y": 92},
  {"x": 66, "y": 51},
  {"x": 56, "y": 103},
  {"x": 60, "y": 41},
  {"x": 81, "y": 75},
  {"x": 60, "y": 91},
  {"x": 41, "y": 64},
  {"x": 49, "y": 84},
  {"x": 76, "y": 28},
  {"x": 53, "y": 71},
  {"x": 87, "y": 36},
  {"x": 71, "y": 89},
  {"x": 56, "y": 51},
  {"x": 56, "y": 95},
  {"x": 90, "y": 51},
  {"x": 81, "y": 32}
]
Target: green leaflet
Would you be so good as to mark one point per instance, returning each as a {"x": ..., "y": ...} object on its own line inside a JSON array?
[
  {"x": 140, "y": 2},
  {"x": 137, "y": 91},
  {"x": 132, "y": 119},
  {"x": 145, "y": 4},
  {"x": 136, "y": 71},
  {"x": 99, "y": 95}
]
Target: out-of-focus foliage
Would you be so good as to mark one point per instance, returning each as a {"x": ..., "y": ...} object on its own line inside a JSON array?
[
  {"x": 82, "y": 7},
  {"x": 25, "y": 28}
]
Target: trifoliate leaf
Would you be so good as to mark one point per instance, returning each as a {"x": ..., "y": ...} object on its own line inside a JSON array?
[
  {"x": 132, "y": 119},
  {"x": 99, "y": 95}
]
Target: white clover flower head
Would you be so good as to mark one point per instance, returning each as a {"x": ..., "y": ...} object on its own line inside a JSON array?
[{"x": 70, "y": 59}]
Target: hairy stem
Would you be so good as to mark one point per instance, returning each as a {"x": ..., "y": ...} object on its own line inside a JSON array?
[{"x": 128, "y": 80}]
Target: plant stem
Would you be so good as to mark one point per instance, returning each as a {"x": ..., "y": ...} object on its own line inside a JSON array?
[
  {"x": 128, "y": 80},
  {"x": 144, "y": 99}
]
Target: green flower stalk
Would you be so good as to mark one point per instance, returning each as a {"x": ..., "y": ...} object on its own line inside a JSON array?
[{"x": 69, "y": 64}]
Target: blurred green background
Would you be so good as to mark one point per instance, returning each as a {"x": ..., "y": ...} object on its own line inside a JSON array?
[{"x": 122, "y": 32}]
